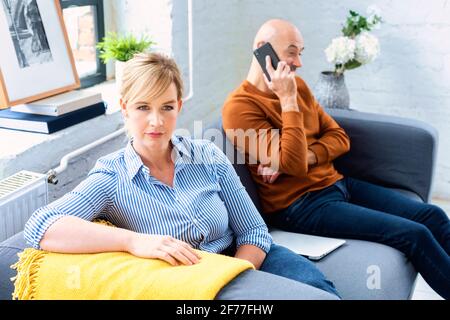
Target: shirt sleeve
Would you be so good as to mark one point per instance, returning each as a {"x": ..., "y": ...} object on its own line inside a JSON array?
[
  {"x": 88, "y": 200},
  {"x": 244, "y": 218}
]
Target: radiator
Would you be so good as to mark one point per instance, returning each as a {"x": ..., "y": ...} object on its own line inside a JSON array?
[{"x": 20, "y": 195}]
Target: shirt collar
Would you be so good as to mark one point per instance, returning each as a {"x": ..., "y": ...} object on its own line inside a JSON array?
[
  {"x": 134, "y": 162},
  {"x": 180, "y": 145}
]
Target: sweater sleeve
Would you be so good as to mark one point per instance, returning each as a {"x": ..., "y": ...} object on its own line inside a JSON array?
[
  {"x": 333, "y": 141},
  {"x": 247, "y": 126}
]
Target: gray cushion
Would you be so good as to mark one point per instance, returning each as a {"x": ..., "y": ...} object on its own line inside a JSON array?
[
  {"x": 365, "y": 270},
  {"x": 8, "y": 253},
  {"x": 258, "y": 285}
]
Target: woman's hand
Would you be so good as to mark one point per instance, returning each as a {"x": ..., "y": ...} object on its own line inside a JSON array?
[{"x": 165, "y": 248}]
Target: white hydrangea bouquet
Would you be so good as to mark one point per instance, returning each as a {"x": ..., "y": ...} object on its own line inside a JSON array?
[{"x": 357, "y": 46}]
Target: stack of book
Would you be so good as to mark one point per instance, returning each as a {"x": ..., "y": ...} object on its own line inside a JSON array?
[{"x": 54, "y": 113}]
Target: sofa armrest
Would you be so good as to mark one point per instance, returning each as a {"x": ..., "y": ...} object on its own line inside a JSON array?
[{"x": 387, "y": 150}]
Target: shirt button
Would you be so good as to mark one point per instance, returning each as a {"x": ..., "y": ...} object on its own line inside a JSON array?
[{"x": 195, "y": 221}]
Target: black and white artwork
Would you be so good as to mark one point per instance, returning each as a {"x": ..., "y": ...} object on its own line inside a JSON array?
[
  {"x": 36, "y": 60},
  {"x": 27, "y": 32}
]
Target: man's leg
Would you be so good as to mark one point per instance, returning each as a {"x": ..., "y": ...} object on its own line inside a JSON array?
[
  {"x": 286, "y": 263},
  {"x": 382, "y": 199},
  {"x": 327, "y": 213}
]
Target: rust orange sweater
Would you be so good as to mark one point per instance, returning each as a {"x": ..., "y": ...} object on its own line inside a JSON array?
[{"x": 311, "y": 128}]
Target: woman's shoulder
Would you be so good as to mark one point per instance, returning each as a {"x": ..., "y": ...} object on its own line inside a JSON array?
[{"x": 110, "y": 163}]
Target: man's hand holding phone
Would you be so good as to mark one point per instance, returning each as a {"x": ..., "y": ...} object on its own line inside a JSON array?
[{"x": 283, "y": 84}]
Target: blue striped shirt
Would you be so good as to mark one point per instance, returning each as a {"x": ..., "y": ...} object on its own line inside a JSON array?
[{"x": 207, "y": 206}]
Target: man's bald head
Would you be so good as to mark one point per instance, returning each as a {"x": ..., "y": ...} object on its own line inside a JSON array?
[
  {"x": 275, "y": 30},
  {"x": 285, "y": 38}
]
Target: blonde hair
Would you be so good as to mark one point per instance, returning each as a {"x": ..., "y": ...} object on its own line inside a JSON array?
[{"x": 147, "y": 75}]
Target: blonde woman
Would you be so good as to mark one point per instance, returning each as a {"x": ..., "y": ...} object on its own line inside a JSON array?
[{"x": 167, "y": 195}]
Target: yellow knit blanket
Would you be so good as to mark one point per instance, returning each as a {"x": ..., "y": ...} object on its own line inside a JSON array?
[
  {"x": 43, "y": 275},
  {"x": 119, "y": 275}
]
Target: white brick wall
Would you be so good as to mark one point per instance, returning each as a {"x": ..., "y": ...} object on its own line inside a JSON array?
[
  {"x": 145, "y": 17},
  {"x": 217, "y": 54}
]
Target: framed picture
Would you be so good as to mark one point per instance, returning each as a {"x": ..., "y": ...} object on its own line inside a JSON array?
[{"x": 36, "y": 60}]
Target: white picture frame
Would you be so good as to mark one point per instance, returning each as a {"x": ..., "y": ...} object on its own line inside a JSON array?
[{"x": 36, "y": 60}]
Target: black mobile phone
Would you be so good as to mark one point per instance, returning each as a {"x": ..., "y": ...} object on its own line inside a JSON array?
[{"x": 261, "y": 53}]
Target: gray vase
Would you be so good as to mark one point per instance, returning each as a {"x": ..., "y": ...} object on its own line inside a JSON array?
[{"x": 331, "y": 91}]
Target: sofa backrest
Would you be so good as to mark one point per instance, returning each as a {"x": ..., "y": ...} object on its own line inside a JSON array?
[{"x": 390, "y": 151}]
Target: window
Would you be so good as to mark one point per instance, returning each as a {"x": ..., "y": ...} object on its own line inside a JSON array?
[{"x": 85, "y": 27}]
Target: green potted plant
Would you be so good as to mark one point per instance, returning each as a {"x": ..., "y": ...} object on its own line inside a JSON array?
[{"x": 121, "y": 48}]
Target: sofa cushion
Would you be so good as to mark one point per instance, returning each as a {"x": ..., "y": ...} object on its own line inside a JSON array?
[
  {"x": 8, "y": 256},
  {"x": 367, "y": 270},
  {"x": 259, "y": 285}
]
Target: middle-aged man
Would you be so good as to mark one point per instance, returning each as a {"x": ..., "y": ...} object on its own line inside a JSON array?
[{"x": 299, "y": 188}]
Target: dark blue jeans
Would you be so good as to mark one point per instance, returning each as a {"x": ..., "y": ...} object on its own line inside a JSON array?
[
  {"x": 355, "y": 209},
  {"x": 285, "y": 263}
]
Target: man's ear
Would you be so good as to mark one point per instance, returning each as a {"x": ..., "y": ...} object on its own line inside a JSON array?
[
  {"x": 180, "y": 105},
  {"x": 123, "y": 107}
]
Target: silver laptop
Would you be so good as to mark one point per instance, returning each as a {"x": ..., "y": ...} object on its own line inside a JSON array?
[{"x": 313, "y": 247}]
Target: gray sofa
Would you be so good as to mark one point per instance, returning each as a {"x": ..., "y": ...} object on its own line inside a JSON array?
[{"x": 390, "y": 151}]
